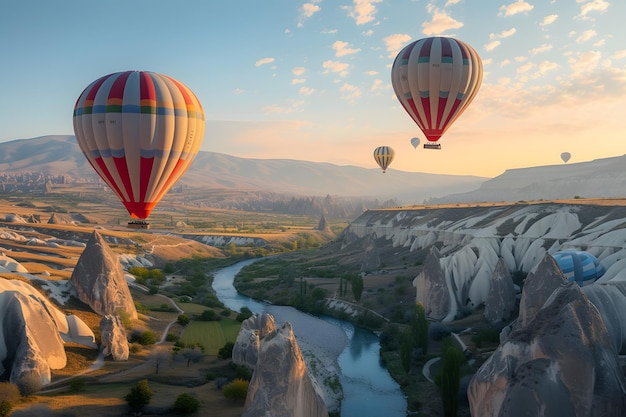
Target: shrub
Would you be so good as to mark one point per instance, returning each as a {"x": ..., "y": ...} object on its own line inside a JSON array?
[
  {"x": 139, "y": 395},
  {"x": 147, "y": 338},
  {"x": 186, "y": 404},
  {"x": 236, "y": 390},
  {"x": 226, "y": 351},
  {"x": 135, "y": 348},
  {"x": 9, "y": 393},
  {"x": 244, "y": 314},
  {"x": 77, "y": 385},
  {"x": 183, "y": 320}
]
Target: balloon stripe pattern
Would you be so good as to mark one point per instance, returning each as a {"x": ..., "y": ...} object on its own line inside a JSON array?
[
  {"x": 579, "y": 266},
  {"x": 383, "y": 156},
  {"x": 435, "y": 79},
  {"x": 140, "y": 131}
]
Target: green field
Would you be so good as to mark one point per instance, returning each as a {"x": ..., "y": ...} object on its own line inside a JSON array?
[{"x": 213, "y": 335}]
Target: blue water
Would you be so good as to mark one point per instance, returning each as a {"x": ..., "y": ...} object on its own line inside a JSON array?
[{"x": 369, "y": 390}]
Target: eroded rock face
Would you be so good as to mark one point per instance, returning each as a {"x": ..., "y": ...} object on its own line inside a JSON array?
[
  {"x": 248, "y": 343},
  {"x": 99, "y": 280},
  {"x": 538, "y": 287},
  {"x": 561, "y": 362},
  {"x": 500, "y": 304},
  {"x": 431, "y": 287},
  {"x": 31, "y": 345},
  {"x": 113, "y": 336},
  {"x": 281, "y": 386}
]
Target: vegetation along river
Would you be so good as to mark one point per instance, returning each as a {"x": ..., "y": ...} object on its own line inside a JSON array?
[{"x": 368, "y": 388}]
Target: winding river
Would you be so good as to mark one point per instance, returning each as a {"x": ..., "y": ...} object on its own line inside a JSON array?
[{"x": 368, "y": 388}]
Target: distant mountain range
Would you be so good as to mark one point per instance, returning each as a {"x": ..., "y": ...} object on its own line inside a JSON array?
[{"x": 60, "y": 154}]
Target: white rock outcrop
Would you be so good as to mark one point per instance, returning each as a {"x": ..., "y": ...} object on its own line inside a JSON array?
[
  {"x": 99, "y": 280},
  {"x": 281, "y": 386}
]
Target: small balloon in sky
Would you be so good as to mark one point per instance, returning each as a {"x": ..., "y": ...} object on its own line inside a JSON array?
[
  {"x": 435, "y": 79},
  {"x": 383, "y": 155},
  {"x": 415, "y": 142},
  {"x": 565, "y": 156},
  {"x": 140, "y": 131}
]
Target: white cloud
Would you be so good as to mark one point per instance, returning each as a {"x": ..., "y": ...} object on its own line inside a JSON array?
[
  {"x": 505, "y": 62},
  {"x": 543, "y": 48},
  {"x": 515, "y": 8},
  {"x": 619, "y": 54},
  {"x": 371, "y": 72},
  {"x": 592, "y": 6},
  {"x": 525, "y": 68},
  {"x": 329, "y": 31},
  {"x": 306, "y": 91},
  {"x": 307, "y": 10},
  {"x": 263, "y": 61},
  {"x": 544, "y": 68},
  {"x": 376, "y": 85},
  {"x": 586, "y": 35},
  {"x": 520, "y": 58},
  {"x": 362, "y": 11},
  {"x": 440, "y": 22},
  {"x": 343, "y": 48},
  {"x": 368, "y": 32},
  {"x": 584, "y": 63},
  {"x": 340, "y": 68},
  {"x": 298, "y": 81},
  {"x": 451, "y": 2},
  {"x": 349, "y": 91},
  {"x": 492, "y": 45},
  {"x": 395, "y": 43},
  {"x": 238, "y": 91},
  {"x": 297, "y": 71},
  {"x": 503, "y": 34},
  {"x": 548, "y": 20}
]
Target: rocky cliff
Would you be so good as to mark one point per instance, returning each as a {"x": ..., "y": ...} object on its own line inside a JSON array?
[
  {"x": 99, "y": 280},
  {"x": 281, "y": 386},
  {"x": 471, "y": 241},
  {"x": 32, "y": 334}
]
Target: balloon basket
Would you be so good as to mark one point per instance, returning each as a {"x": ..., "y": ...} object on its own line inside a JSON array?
[
  {"x": 432, "y": 146},
  {"x": 138, "y": 224}
]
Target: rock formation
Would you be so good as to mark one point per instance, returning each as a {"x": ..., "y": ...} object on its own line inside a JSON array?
[
  {"x": 248, "y": 343},
  {"x": 500, "y": 303},
  {"x": 113, "y": 337},
  {"x": 323, "y": 225},
  {"x": 432, "y": 290},
  {"x": 99, "y": 280},
  {"x": 560, "y": 362},
  {"x": 610, "y": 300},
  {"x": 281, "y": 386},
  {"x": 371, "y": 256}
]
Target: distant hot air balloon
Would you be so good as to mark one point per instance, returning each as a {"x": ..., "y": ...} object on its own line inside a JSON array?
[
  {"x": 383, "y": 156},
  {"x": 415, "y": 142},
  {"x": 140, "y": 131},
  {"x": 435, "y": 80},
  {"x": 565, "y": 156},
  {"x": 579, "y": 266}
]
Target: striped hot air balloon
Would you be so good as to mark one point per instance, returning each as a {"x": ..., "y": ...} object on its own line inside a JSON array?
[
  {"x": 140, "y": 131},
  {"x": 383, "y": 156},
  {"x": 435, "y": 80},
  {"x": 579, "y": 266}
]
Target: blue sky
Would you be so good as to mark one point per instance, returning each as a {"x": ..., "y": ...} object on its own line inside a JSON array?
[{"x": 311, "y": 80}]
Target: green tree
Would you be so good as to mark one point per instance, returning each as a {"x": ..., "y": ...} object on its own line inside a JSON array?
[
  {"x": 139, "y": 395},
  {"x": 226, "y": 351},
  {"x": 406, "y": 350},
  {"x": 449, "y": 378},
  {"x": 236, "y": 390},
  {"x": 419, "y": 328},
  {"x": 186, "y": 404},
  {"x": 183, "y": 319},
  {"x": 357, "y": 287}
]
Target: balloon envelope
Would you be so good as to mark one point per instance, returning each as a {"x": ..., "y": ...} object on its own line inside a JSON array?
[
  {"x": 579, "y": 266},
  {"x": 435, "y": 80},
  {"x": 565, "y": 156},
  {"x": 383, "y": 156},
  {"x": 140, "y": 131},
  {"x": 415, "y": 142}
]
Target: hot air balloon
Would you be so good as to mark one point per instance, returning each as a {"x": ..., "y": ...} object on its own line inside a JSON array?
[
  {"x": 415, "y": 142},
  {"x": 579, "y": 266},
  {"x": 435, "y": 80},
  {"x": 383, "y": 156},
  {"x": 140, "y": 131},
  {"x": 565, "y": 156}
]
